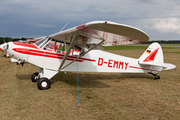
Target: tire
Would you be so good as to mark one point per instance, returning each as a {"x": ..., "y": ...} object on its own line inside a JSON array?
[
  {"x": 43, "y": 84},
  {"x": 34, "y": 77}
]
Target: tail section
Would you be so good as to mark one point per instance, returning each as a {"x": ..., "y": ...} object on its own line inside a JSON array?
[{"x": 152, "y": 56}]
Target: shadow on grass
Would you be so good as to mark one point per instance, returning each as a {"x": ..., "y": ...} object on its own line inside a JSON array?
[
  {"x": 24, "y": 76},
  {"x": 90, "y": 80}
]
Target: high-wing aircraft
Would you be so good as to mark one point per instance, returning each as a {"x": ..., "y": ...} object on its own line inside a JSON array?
[
  {"x": 61, "y": 52},
  {"x": 30, "y": 41}
]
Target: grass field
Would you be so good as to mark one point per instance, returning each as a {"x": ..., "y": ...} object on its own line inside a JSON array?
[{"x": 102, "y": 95}]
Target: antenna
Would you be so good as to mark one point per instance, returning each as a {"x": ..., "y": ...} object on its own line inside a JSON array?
[{"x": 64, "y": 27}]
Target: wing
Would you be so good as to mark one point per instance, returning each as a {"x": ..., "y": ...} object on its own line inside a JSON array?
[{"x": 96, "y": 31}]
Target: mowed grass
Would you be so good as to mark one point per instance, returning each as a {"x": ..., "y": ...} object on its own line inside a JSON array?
[
  {"x": 139, "y": 46},
  {"x": 102, "y": 95}
]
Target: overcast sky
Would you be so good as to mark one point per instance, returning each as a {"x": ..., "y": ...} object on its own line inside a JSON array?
[{"x": 160, "y": 19}]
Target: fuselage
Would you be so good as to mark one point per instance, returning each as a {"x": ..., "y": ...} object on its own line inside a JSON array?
[{"x": 93, "y": 61}]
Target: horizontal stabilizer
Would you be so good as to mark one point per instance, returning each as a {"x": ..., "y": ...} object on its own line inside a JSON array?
[{"x": 168, "y": 66}]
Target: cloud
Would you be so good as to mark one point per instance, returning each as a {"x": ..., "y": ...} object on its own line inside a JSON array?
[
  {"x": 156, "y": 17},
  {"x": 167, "y": 25},
  {"x": 40, "y": 25}
]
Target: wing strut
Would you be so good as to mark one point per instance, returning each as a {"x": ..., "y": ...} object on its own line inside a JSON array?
[
  {"x": 67, "y": 53},
  {"x": 82, "y": 54}
]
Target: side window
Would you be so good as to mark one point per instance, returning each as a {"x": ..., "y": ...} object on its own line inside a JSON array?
[
  {"x": 60, "y": 47},
  {"x": 51, "y": 46}
]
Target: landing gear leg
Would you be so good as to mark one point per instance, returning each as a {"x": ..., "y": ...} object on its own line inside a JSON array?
[
  {"x": 44, "y": 76},
  {"x": 155, "y": 75}
]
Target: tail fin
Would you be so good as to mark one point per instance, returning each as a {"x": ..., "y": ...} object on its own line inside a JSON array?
[{"x": 152, "y": 56}]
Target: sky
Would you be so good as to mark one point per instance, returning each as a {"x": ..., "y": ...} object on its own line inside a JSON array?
[{"x": 160, "y": 19}]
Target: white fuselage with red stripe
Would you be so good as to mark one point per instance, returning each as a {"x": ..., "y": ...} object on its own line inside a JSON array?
[{"x": 93, "y": 61}]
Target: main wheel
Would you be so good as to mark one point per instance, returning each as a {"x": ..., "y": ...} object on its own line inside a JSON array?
[
  {"x": 43, "y": 84},
  {"x": 35, "y": 77}
]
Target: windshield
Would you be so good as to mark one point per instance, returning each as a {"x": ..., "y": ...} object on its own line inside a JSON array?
[{"x": 40, "y": 41}]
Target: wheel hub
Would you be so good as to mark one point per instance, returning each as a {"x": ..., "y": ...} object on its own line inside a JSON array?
[
  {"x": 36, "y": 77},
  {"x": 44, "y": 84}
]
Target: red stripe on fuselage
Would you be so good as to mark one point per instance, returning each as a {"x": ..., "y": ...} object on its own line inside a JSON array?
[
  {"x": 26, "y": 45},
  {"x": 21, "y": 50},
  {"x": 49, "y": 54},
  {"x": 143, "y": 68}
]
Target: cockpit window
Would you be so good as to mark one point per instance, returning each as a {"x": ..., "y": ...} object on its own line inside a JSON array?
[
  {"x": 61, "y": 47},
  {"x": 40, "y": 41}
]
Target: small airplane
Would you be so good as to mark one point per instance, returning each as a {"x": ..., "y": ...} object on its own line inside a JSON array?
[
  {"x": 82, "y": 45},
  {"x": 30, "y": 41}
]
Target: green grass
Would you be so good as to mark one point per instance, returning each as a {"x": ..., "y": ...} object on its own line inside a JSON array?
[
  {"x": 170, "y": 47},
  {"x": 127, "y": 47},
  {"x": 123, "y": 47},
  {"x": 173, "y": 52}
]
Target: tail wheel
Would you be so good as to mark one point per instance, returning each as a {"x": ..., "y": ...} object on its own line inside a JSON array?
[
  {"x": 35, "y": 77},
  {"x": 157, "y": 77},
  {"x": 43, "y": 84}
]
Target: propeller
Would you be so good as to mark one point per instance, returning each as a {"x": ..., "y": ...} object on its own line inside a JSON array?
[{"x": 3, "y": 48}]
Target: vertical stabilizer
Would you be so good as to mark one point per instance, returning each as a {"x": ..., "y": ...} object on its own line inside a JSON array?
[{"x": 152, "y": 56}]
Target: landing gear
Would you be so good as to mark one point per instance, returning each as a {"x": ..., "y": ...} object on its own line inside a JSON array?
[
  {"x": 35, "y": 77},
  {"x": 155, "y": 75},
  {"x": 43, "y": 83},
  {"x": 43, "y": 78}
]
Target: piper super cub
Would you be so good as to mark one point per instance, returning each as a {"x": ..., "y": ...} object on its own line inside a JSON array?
[{"x": 61, "y": 52}]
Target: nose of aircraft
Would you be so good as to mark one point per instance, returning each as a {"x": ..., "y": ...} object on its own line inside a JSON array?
[{"x": 18, "y": 52}]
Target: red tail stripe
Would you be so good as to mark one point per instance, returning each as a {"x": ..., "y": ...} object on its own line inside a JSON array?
[{"x": 151, "y": 56}]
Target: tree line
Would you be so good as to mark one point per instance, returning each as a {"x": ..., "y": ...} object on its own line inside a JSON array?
[
  {"x": 164, "y": 42},
  {"x": 8, "y": 39}
]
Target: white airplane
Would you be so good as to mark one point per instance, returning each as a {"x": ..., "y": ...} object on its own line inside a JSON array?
[
  {"x": 31, "y": 40},
  {"x": 62, "y": 51}
]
